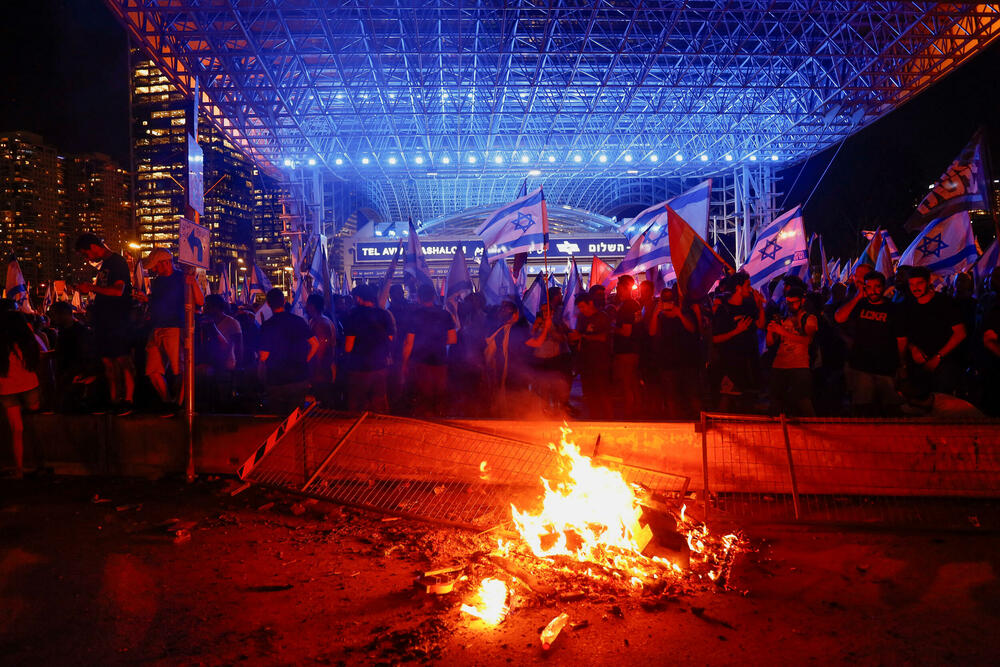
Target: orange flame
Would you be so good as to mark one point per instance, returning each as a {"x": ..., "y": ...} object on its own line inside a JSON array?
[
  {"x": 594, "y": 516},
  {"x": 490, "y": 603}
]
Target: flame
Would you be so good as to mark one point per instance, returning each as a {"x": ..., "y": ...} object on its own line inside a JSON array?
[
  {"x": 594, "y": 516},
  {"x": 491, "y": 602}
]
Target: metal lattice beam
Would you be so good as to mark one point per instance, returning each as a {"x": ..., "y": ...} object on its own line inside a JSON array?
[{"x": 412, "y": 93}]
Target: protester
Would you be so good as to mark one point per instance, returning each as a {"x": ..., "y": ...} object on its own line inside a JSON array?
[
  {"x": 225, "y": 349},
  {"x": 323, "y": 366},
  {"x": 428, "y": 333},
  {"x": 877, "y": 347},
  {"x": 593, "y": 336},
  {"x": 166, "y": 314},
  {"x": 19, "y": 358},
  {"x": 932, "y": 331},
  {"x": 110, "y": 313},
  {"x": 736, "y": 363},
  {"x": 286, "y": 347},
  {"x": 625, "y": 366},
  {"x": 368, "y": 335},
  {"x": 792, "y": 331},
  {"x": 550, "y": 375},
  {"x": 674, "y": 334}
]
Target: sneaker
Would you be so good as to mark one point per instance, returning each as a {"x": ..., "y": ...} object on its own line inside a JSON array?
[
  {"x": 169, "y": 412},
  {"x": 125, "y": 409}
]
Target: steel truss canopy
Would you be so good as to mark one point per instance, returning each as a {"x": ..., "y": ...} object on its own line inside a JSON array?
[{"x": 414, "y": 94}]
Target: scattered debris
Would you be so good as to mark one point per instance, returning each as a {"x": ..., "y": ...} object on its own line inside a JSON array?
[
  {"x": 553, "y": 629},
  {"x": 270, "y": 588},
  {"x": 239, "y": 489}
]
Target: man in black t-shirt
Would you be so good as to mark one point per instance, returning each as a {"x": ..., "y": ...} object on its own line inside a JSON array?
[
  {"x": 110, "y": 309},
  {"x": 593, "y": 335},
  {"x": 286, "y": 347},
  {"x": 429, "y": 332},
  {"x": 877, "y": 346},
  {"x": 933, "y": 330},
  {"x": 368, "y": 336},
  {"x": 626, "y": 348},
  {"x": 736, "y": 362}
]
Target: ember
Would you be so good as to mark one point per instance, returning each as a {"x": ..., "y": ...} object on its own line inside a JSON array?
[
  {"x": 491, "y": 602},
  {"x": 594, "y": 516}
]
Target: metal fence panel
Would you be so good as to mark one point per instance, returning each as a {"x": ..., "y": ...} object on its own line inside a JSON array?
[{"x": 858, "y": 471}]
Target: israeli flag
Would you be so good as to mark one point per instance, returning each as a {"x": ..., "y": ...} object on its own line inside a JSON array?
[
  {"x": 414, "y": 262},
  {"x": 573, "y": 288},
  {"x": 301, "y": 294},
  {"x": 780, "y": 246},
  {"x": 945, "y": 246},
  {"x": 319, "y": 270},
  {"x": 16, "y": 288},
  {"x": 259, "y": 284},
  {"x": 692, "y": 205},
  {"x": 499, "y": 286},
  {"x": 536, "y": 295},
  {"x": 646, "y": 252},
  {"x": 459, "y": 283},
  {"x": 521, "y": 226},
  {"x": 225, "y": 285},
  {"x": 987, "y": 263}
]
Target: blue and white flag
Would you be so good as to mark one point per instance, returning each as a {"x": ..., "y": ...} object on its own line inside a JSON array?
[
  {"x": 499, "y": 286},
  {"x": 521, "y": 280},
  {"x": 962, "y": 187},
  {"x": 16, "y": 288},
  {"x": 536, "y": 295},
  {"x": 414, "y": 263},
  {"x": 887, "y": 240},
  {"x": 692, "y": 205},
  {"x": 572, "y": 289},
  {"x": 319, "y": 268},
  {"x": 459, "y": 283},
  {"x": 649, "y": 250},
  {"x": 945, "y": 246},
  {"x": 780, "y": 246},
  {"x": 50, "y": 298},
  {"x": 987, "y": 263},
  {"x": 884, "y": 263},
  {"x": 259, "y": 284},
  {"x": 299, "y": 296},
  {"x": 521, "y": 226},
  {"x": 225, "y": 286},
  {"x": 140, "y": 281}
]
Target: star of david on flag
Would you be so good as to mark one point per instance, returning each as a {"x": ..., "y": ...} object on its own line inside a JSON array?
[
  {"x": 521, "y": 226},
  {"x": 770, "y": 250},
  {"x": 945, "y": 246},
  {"x": 781, "y": 245}
]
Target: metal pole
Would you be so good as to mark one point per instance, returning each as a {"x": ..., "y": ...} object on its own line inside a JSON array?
[
  {"x": 189, "y": 374},
  {"x": 704, "y": 463},
  {"x": 791, "y": 466}
]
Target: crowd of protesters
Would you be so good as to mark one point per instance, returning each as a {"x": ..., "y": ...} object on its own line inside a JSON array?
[{"x": 868, "y": 347}]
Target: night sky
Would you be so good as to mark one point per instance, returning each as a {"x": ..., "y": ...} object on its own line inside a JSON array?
[{"x": 64, "y": 76}]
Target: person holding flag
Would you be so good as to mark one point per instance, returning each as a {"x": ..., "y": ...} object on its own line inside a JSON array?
[{"x": 16, "y": 288}]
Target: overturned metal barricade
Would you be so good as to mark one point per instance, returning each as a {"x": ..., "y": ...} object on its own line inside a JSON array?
[{"x": 426, "y": 470}]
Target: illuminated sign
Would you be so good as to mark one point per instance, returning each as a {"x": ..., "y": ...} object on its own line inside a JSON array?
[{"x": 581, "y": 247}]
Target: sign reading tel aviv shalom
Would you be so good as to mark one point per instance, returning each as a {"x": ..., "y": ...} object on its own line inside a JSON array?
[{"x": 581, "y": 247}]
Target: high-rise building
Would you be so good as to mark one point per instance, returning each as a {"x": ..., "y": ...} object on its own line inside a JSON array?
[
  {"x": 162, "y": 119},
  {"x": 97, "y": 200},
  {"x": 271, "y": 244},
  {"x": 30, "y": 184}
]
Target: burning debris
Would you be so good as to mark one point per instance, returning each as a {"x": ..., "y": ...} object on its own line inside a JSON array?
[{"x": 579, "y": 531}]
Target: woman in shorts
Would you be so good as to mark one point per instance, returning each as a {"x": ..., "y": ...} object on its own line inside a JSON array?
[{"x": 19, "y": 358}]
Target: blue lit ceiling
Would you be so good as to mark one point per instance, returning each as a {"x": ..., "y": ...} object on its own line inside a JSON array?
[{"x": 429, "y": 100}]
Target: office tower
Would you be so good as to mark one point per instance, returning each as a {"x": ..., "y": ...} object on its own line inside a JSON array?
[
  {"x": 161, "y": 122},
  {"x": 30, "y": 183}
]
